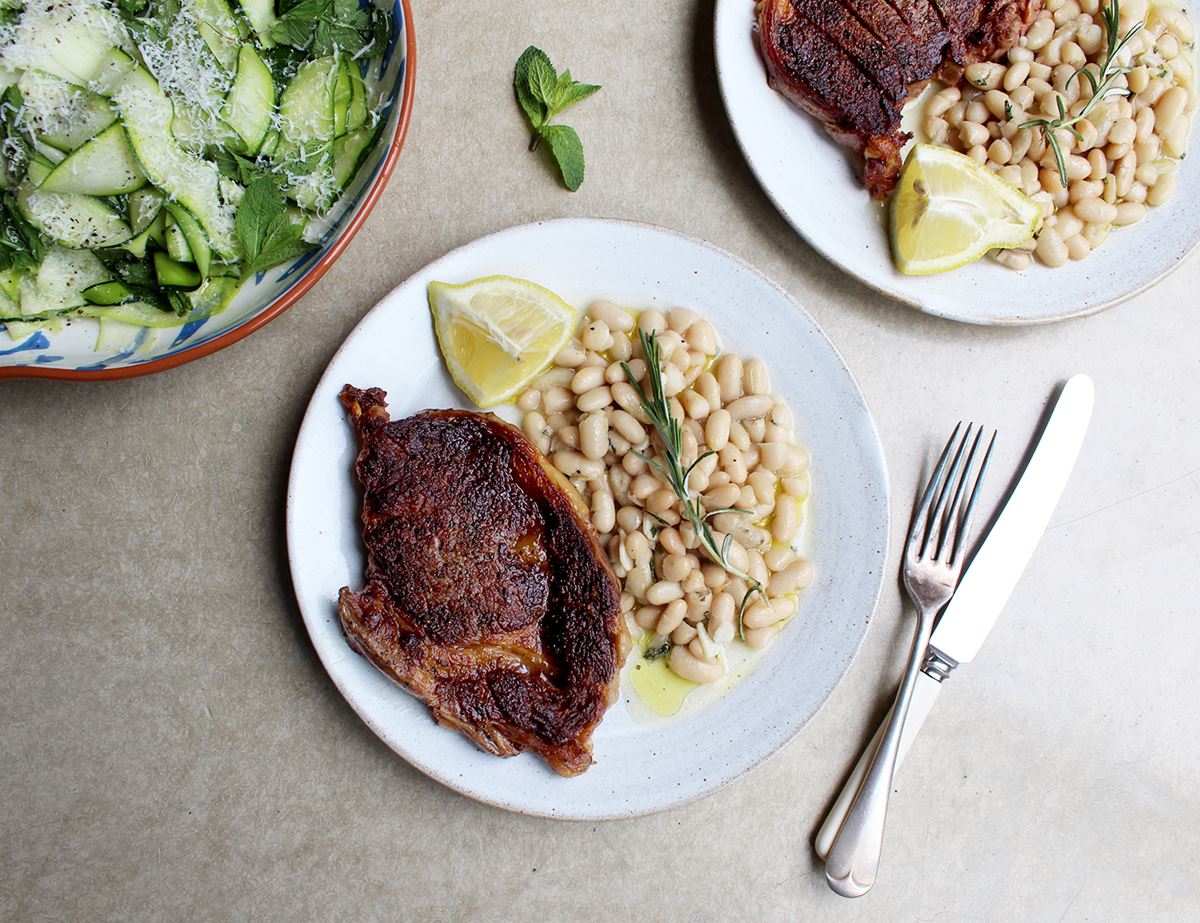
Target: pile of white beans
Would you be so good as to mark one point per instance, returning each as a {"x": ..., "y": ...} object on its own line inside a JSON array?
[
  {"x": 1131, "y": 145},
  {"x": 584, "y": 414}
]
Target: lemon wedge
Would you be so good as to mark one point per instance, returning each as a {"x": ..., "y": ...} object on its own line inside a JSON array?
[
  {"x": 497, "y": 333},
  {"x": 948, "y": 211}
]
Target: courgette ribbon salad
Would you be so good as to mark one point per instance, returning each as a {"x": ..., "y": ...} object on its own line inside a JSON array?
[{"x": 156, "y": 153}]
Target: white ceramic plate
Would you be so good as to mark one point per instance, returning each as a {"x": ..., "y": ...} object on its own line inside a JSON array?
[
  {"x": 638, "y": 768},
  {"x": 813, "y": 181}
]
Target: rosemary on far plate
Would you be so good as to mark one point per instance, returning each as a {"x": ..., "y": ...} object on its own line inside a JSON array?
[{"x": 1103, "y": 86}]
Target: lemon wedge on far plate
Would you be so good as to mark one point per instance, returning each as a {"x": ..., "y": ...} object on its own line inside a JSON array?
[
  {"x": 948, "y": 211},
  {"x": 497, "y": 333}
]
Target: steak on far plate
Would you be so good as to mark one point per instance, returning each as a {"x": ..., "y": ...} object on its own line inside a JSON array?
[{"x": 853, "y": 64}]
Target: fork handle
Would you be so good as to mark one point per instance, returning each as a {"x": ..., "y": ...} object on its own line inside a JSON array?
[
  {"x": 853, "y": 860},
  {"x": 925, "y": 693}
]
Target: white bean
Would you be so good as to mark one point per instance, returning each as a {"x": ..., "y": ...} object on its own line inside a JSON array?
[
  {"x": 604, "y": 515},
  {"x": 587, "y": 378},
  {"x": 574, "y": 464},
  {"x": 1015, "y": 75},
  {"x": 1162, "y": 190},
  {"x": 556, "y": 400},
  {"x": 615, "y": 316},
  {"x": 629, "y": 518},
  {"x": 682, "y": 662},
  {"x": 672, "y": 617},
  {"x": 673, "y": 381},
  {"x": 1078, "y": 248},
  {"x": 716, "y": 429},
  {"x": 786, "y": 522},
  {"x": 729, "y": 377},
  {"x": 680, "y": 319},
  {"x": 652, "y": 320},
  {"x": 796, "y": 576},
  {"x": 754, "y": 405},
  {"x": 755, "y": 378},
  {"x": 778, "y": 558},
  {"x": 696, "y": 406},
  {"x": 628, "y": 426},
  {"x": 663, "y": 592},
  {"x": 646, "y": 616},
  {"x": 1050, "y": 248},
  {"x": 596, "y": 336},
  {"x": 702, "y": 337},
  {"x": 733, "y": 463},
  {"x": 738, "y": 435},
  {"x": 593, "y": 434},
  {"x": 571, "y": 355},
  {"x": 1129, "y": 213},
  {"x": 724, "y": 496},
  {"x": 1170, "y": 108},
  {"x": 706, "y": 386},
  {"x": 1094, "y": 211},
  {"x": 661, "y": 500},
  {"x": 594, "y": 399},
  {"x": 533, "y": 425}
]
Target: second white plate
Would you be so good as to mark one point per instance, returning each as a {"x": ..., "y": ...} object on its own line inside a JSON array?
[
  {"x": 814, "y": 183},
  {"x": 639, "y": 767}
]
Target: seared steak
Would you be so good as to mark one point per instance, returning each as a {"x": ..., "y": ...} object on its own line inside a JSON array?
[
  {"x": 854, "y": 63},
  {"x": 487, "y": 594}
]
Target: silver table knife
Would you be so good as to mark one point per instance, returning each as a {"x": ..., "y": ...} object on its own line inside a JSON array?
[{"x": 990, "y": 579}]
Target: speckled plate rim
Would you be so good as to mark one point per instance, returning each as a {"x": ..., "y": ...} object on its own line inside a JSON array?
[
  {"x": 302, "y": 286},
  {"x": 821, "y": 243},
  {"x": 877, "y": 461}
]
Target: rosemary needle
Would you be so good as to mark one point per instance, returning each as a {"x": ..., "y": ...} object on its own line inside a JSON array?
[
  {"x": 1102, "y": 86},
  {"x": 670, "y": 432}
]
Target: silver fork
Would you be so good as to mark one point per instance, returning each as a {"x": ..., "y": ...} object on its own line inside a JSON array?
[{"x": 933, "y": 560}]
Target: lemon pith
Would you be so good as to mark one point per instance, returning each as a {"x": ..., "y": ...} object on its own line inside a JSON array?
[
  {"x": 948, "y": 211},
  {"x": 497, "y": 333}
]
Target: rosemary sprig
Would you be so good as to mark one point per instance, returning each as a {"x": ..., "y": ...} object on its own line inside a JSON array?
[
  {"x": 1102, "y": 86},
  {"x": 670, "y": 432}
]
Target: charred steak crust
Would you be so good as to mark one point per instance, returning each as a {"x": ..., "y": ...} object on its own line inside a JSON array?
[
  {"x": 487, "y": 593},
  {"x": 853, "y": 64}
]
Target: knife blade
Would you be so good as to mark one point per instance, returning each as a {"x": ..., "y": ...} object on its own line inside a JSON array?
[{"x": 990, "y": 579}]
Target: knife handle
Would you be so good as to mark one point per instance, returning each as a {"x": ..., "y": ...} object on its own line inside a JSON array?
[{"x": 925, "y": 693}]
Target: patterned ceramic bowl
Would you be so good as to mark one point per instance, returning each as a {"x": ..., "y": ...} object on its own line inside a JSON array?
[{"x": 83, "y": 349}]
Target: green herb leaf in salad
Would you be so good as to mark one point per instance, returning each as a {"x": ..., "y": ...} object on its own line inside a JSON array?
[
  {"x": 542, "y": 93},
  {"x": 268, "y": 234},
  {"x": 324, "y": 27}
]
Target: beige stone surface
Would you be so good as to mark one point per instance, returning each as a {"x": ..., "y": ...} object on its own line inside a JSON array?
[{"x": 170, "y": 748}]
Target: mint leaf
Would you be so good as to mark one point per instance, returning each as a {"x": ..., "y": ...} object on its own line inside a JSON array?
[
  {"x": 567, "y": 92},
  {"x": 527, "y": 95},
  {"x": 568, "y": 152},
  {"x": 573, "y": 94},
  {"x": 265, "y": 229},
  {"x": 542, "y": 78},
  {"x": 542, "y": 93},
  {"x": 323, "y": 27}
]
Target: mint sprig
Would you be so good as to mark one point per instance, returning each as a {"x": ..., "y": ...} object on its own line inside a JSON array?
[
  {"x": 543, "y": 93},
  {"x": 265, "y": 229}
]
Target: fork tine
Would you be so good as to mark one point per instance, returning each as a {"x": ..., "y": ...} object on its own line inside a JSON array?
[
  {"x": 933, "y": 540},
  {"x": 950, "y": 523},
  {"x": 964, "y": 532},
  {"x": 916, "y": 535}
]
